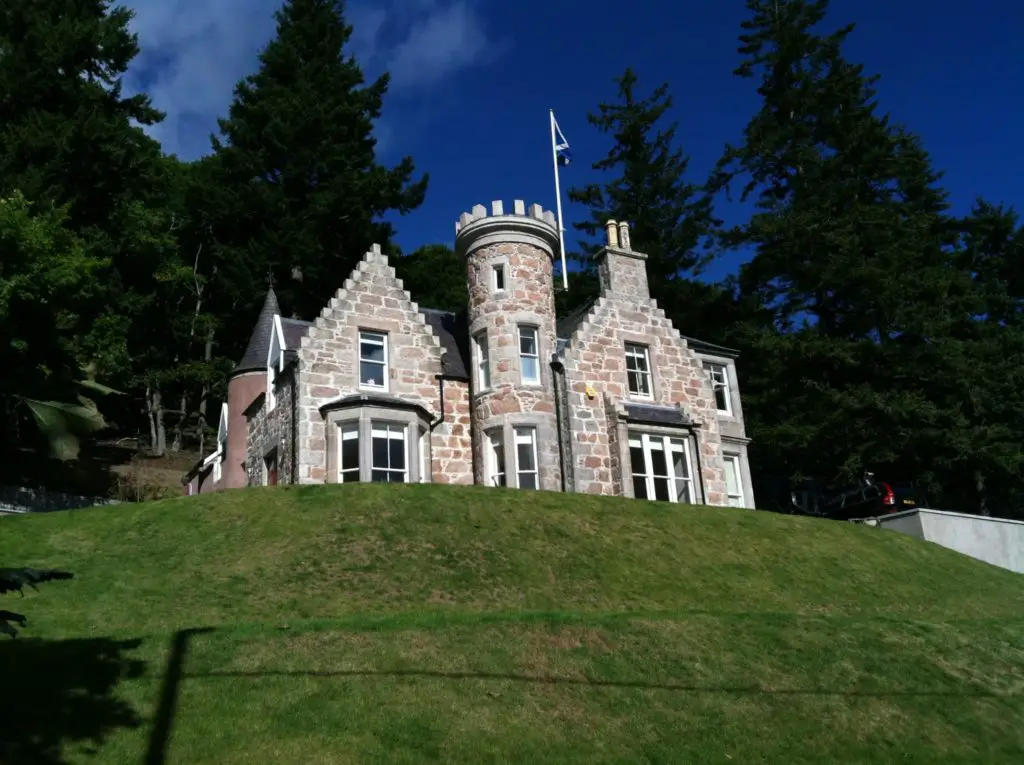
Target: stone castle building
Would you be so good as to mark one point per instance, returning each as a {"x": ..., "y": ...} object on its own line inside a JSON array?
[{"x": 612, "y": 400}]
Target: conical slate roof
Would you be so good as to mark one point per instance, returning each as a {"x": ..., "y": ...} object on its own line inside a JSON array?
[{"x": 255, "y": 356}]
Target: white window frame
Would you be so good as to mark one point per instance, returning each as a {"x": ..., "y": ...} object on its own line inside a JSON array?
[
  {"x": 497, "y": 474},
  {"x": 483, "y": 361},
  {"x": 217, "y": 467},
  {"x": 719, "y": 374},
  {"x": 641, "y": 353},
  {"x": 271, "y": 383},
  {"x": 394, "y": 431},
  {"x": 671, "y": 445},
  {"x": 525, "y": 434},
  {"x": 348, "y": 430},
  {"x": 498, "y": 277},
  {"x": 734, "y": 499},
  {"x": 373, "y": 337},
  {"x": 426, "y": 459},
  {"x": 529, "y": 330}
]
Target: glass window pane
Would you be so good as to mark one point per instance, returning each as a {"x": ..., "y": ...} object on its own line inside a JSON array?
[
  {"x": 683, "y": 493},
  {"x": 350, "y": 476},
  {"x": 661, "y": 489},
  {"x": 527, "y": 480},
  {"x": 680, "y": 468},
  {"x": 732, "y": 484},
  {"x": 658, "y": 464},
  {"x": 721, "y": 399},
  {"x": 636, "y": 459},
  {"x": 525, "y": 454},
  {"x": 380, "y": 452},
  {"x": 371, "y": 352},
  {"x": 350, "y": 454},
  {"x": 379, "y": 476},
  {"x": 639, "y": 487},
  {"x": 396, "y": 453},
  {"x": 530, "y": 368},
  {"x": 371, "y": 373},
  {"x": 528, "y": 341}
]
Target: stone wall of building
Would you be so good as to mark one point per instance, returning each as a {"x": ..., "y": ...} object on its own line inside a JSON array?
[
  {"x": 451, "y": 446},
  {"x": 596, "y": 359},
  {"x": 523, "y": 245},
  {"x": 373, "y": 299},
  {"x": 273, "y": 430}
]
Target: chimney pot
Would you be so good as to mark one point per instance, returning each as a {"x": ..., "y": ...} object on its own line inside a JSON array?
[
  {"x": 624, "y": 236},
  {"x": 613, "y": 234}
]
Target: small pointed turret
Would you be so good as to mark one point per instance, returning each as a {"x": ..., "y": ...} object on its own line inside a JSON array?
[{"x": 255, "y": 356}]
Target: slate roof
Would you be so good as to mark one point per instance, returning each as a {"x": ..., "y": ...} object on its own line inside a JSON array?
[
  {"x": 294, "y": 330},
  {"x": 567, "y": 325},
  {"x": 657, "y": 415},
  {"x": 453, "y": 332},
  {"x": 255, "y": 356}
]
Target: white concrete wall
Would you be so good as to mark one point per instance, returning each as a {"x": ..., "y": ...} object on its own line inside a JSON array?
[{"x": 994, "y": 540}]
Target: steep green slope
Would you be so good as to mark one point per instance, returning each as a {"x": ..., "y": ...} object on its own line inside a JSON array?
[{"x": 470, "y": 625}]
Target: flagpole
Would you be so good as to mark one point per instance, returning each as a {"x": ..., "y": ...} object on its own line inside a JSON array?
[{"x": 558, "y": 201}]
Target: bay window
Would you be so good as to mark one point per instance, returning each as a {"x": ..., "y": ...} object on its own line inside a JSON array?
[{"x": 661, "y": 468}]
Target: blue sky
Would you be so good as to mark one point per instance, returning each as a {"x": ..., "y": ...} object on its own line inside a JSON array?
[{"x": 473, "y": 81}]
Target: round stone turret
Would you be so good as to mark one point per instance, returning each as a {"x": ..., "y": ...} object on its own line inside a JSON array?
[{"x": 509, "y": 268}]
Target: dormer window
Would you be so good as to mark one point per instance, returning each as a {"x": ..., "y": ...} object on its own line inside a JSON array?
[
  {"x": 373, "y": 360},
  {"x": 638, "y": 370},
  {"x": 498, "y": 277},
  {"x": 720, "y": 384}
]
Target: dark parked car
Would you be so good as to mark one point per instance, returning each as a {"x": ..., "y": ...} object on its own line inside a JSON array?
[{"x": 868, "y": 497}]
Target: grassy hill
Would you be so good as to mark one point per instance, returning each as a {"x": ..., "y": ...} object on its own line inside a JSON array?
[{"x": 413, "y": 624}]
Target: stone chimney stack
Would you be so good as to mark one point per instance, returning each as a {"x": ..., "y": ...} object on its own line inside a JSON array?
[{"x": 622, "y": 272}]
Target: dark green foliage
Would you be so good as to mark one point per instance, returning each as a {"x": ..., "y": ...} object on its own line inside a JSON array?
[
  {"x": 15, "y": 580},
  {"x": 298, "y": 192},
  {"x": 852, "y": 267},
  {"x": 435, "y": 276},
  {"x": 667, "y": 214}
]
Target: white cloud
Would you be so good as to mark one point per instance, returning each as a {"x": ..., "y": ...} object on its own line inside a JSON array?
[{"x": 195, "y": 51}]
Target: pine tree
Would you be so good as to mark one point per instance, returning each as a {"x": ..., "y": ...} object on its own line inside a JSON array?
[
  {"x": 299, "y": 192},
  {"x": 669, "y": 215},
  {"x": 72, "y": 145},
  {"x": 852, "y": 254}
]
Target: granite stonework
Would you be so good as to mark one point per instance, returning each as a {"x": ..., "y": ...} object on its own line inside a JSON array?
[
  {"x": 273, "y": 429},
  {"x": 523, "y": 247},
  {"x": 456, "y": 383},
  {"x": 373, "y": 299}
]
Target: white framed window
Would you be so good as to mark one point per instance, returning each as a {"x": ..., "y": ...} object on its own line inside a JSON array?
[
  {"x": 720, "y": 384},
  {"x": 496, "y": 458},
  {"x": 498, "y": 277},
  {"x": 373, "y": 360},
  {"x": 638, "y": 370},
  {"x": 483, "y": 362},
  {"x": 388, "y": 453},
  {"x": 529, "y": 355},
  {"x": 271, "y": 385},
  {"x": 348, "y": 453},
  {"x": 426, "y": 471},
  {"x": 526, "y": 457},
  {"x": 733, "y": 482},
  {"x": 661, "y": 468}
]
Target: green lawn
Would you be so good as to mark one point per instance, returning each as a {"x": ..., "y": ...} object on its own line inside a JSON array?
[{"x": 413, "y": 624}]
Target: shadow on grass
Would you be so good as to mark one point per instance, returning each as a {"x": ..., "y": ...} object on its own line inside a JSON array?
[
  {"x": 595, "y": 683},
  {"x": 58, "y": 693}
]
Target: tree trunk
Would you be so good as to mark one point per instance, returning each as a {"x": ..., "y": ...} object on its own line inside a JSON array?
[
  {"x": 205, "y": 393},
  {"x": 157, "y": 431}
]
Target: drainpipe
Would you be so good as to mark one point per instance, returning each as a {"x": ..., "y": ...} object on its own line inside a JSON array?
[
  {"x": 700, "y": 469},
  {"x": 558, "y": 380},
  {"x": 440, "y": 390}
]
